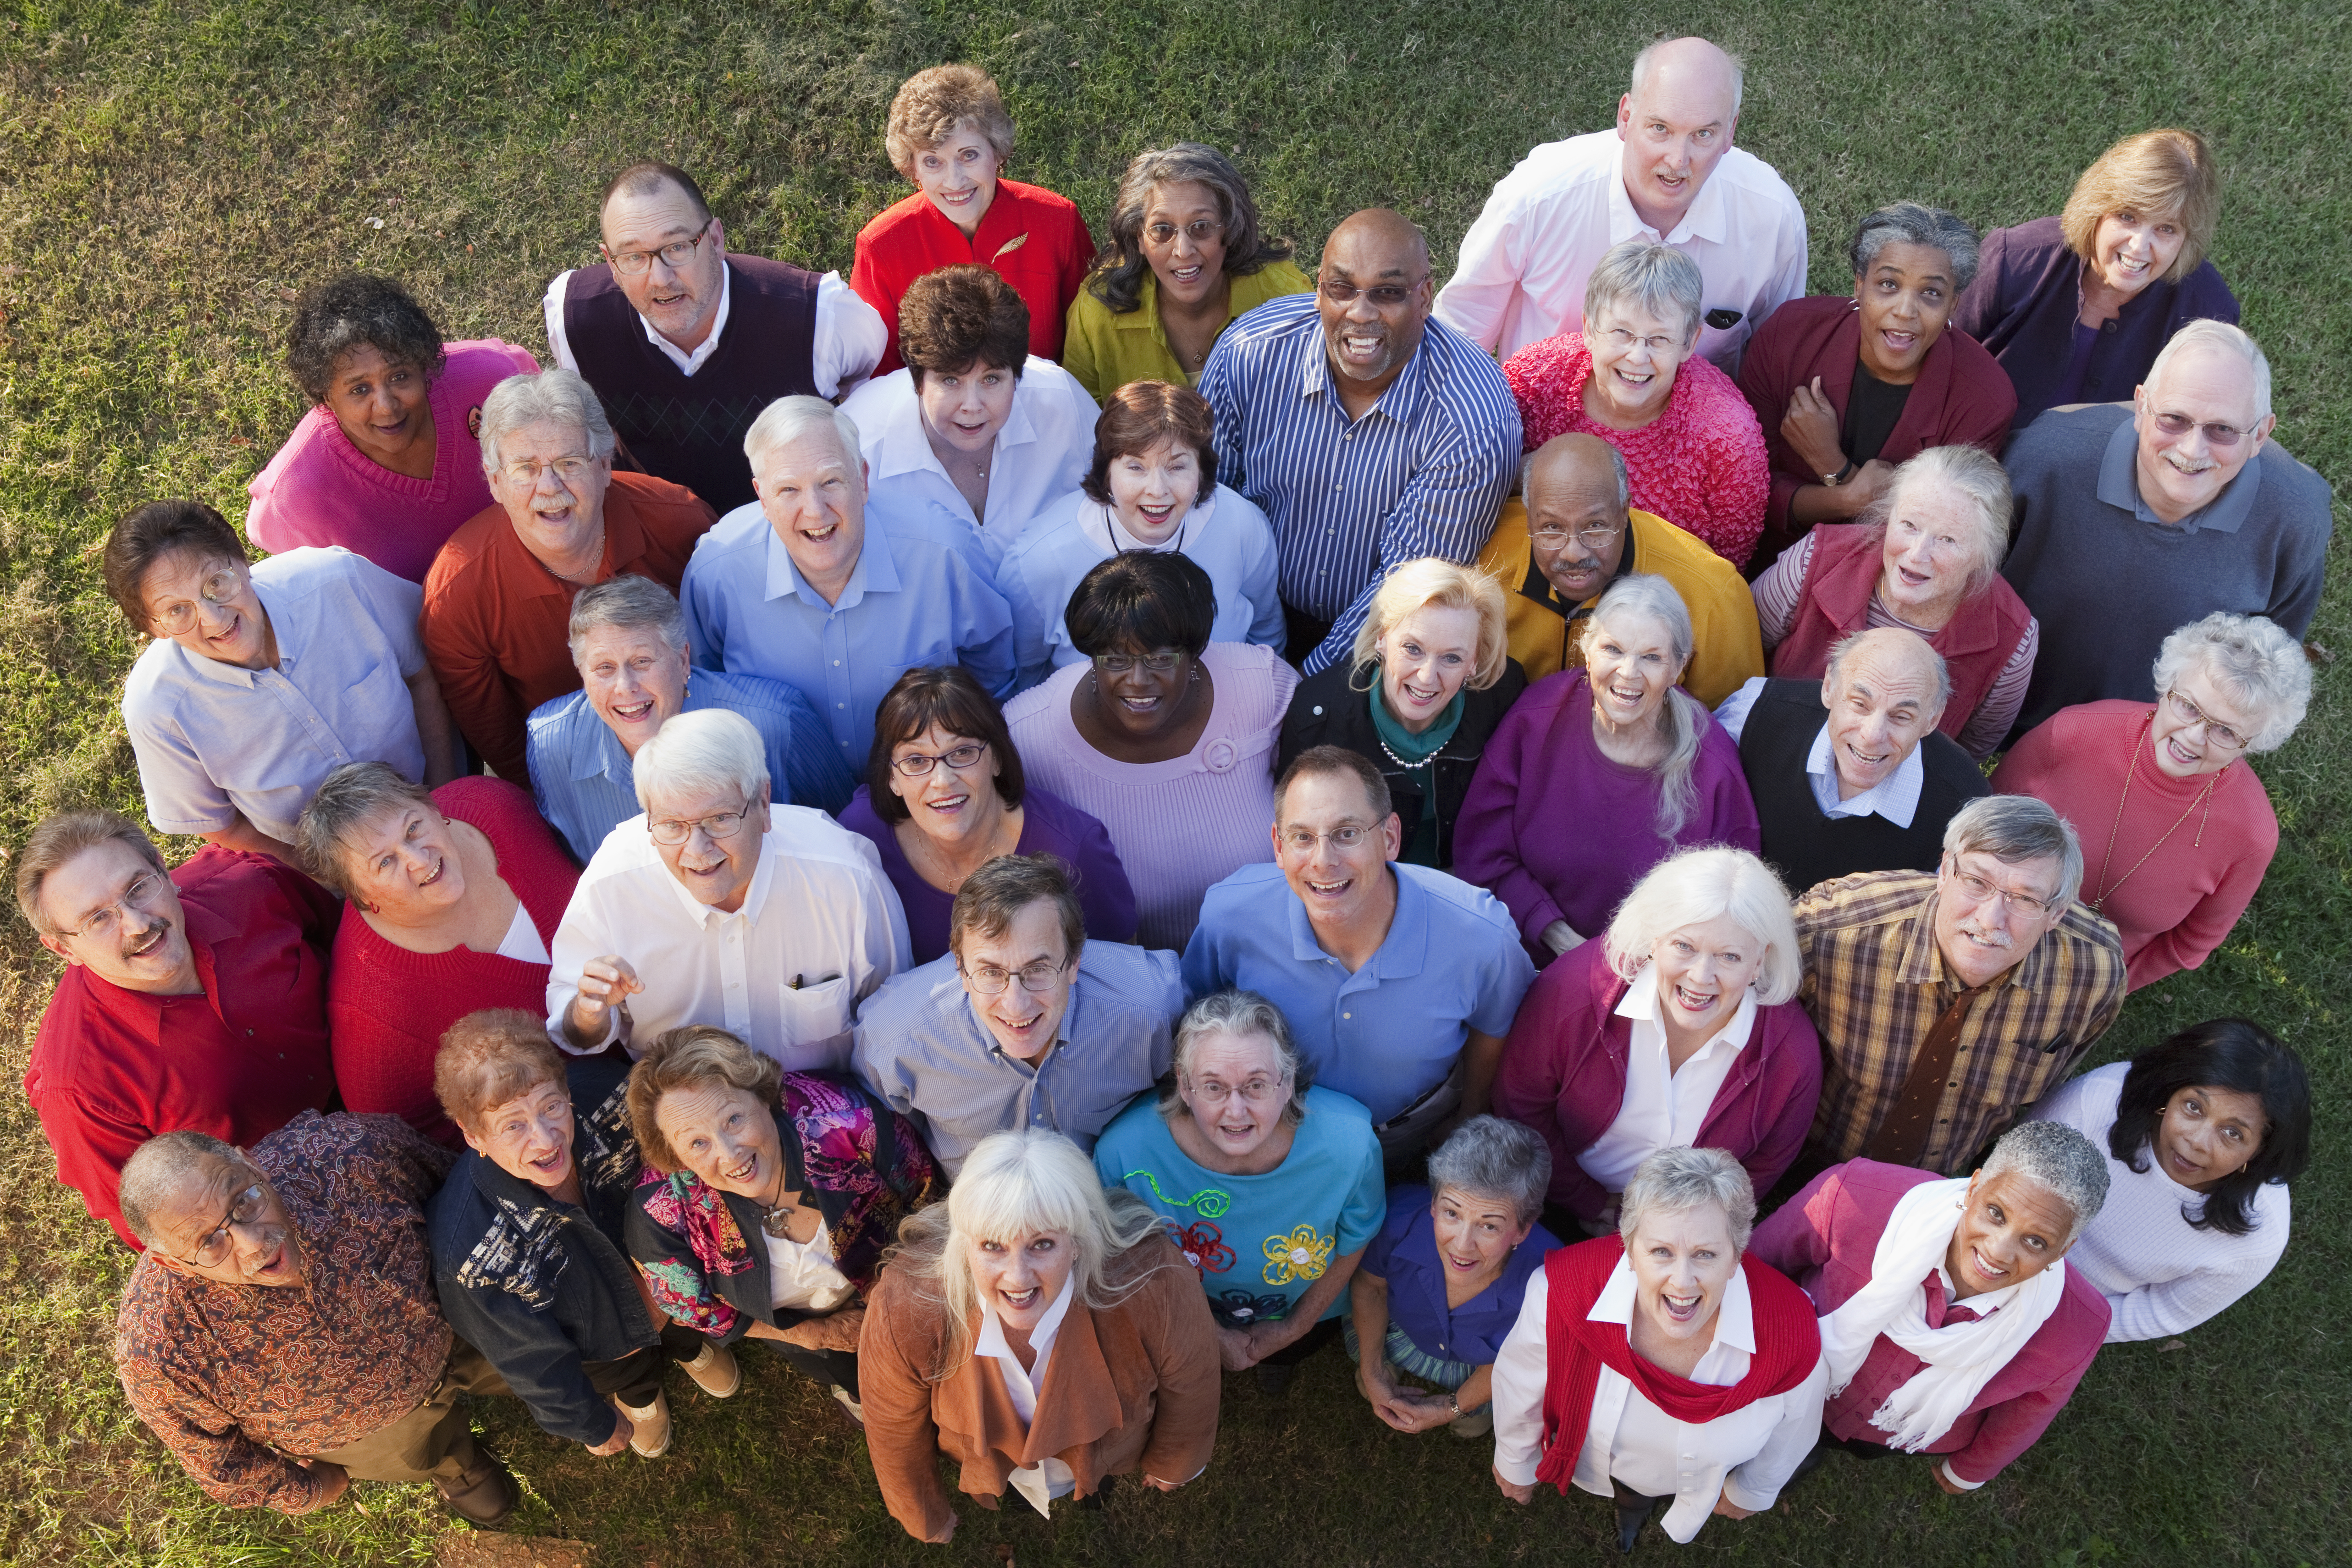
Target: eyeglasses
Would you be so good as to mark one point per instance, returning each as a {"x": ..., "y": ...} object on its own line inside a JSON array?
[
  {"x": 2189, "y": 714},
  {"x": 1979, "y": 892},
  {"x": 916, "y": 766},
  {"x": 719, "y": 825},
  {"x": 243, "y": 1210},
  {"x": 222, "y": 588},
  {"x": 1302, "y": 841},
  {"x": 2215, "y": 435},
  {"x": 1161, "y": 663},
  {"x": 674, "y": 256},
  {"x": 1551, "y": 536},
  {"x": 1258, "y": 1091},
  {"x": 1624, "y": 342},
  {"x": 1383, "y": 296},
  {"x": 991, "y": 981},
  {"x": 100, "y": 923},
  {"x": 1200, "y": 231},
  {"x": 523, "y": 473}
]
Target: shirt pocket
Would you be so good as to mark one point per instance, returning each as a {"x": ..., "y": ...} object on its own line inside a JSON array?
[{"x": 817, "y": 1010}]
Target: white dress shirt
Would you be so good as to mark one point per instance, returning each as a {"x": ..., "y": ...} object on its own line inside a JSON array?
[
  {"x": 1524, "y": 264},
  {"x": 1041, "y": 454},
  {"x": 847, "y": 345},
  {"x": 820, "y": 930},
  {"x": 1747, "y": 1456},
  {"x": 1049, "y": 1478},
  {"x": 1664, "y": 1107},
  {"x": 804, "y": 1276},
  {"x": 1895, "y": 797}
]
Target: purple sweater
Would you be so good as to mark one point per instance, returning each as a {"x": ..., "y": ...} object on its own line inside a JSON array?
[{"x": 1558, "y": 832}]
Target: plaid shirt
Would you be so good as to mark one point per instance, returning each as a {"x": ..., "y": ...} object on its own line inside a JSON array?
[{"x": 1875, "y": 983}]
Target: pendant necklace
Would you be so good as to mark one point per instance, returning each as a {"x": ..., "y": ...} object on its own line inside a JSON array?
[{"x": 2204, "y": 798}]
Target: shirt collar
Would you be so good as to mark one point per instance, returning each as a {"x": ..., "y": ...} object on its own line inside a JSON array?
[
  {"x": 991, "y": 1341},
  {"x": 690, "y": 363},
  {"x": 1895, "y": 797},
  {"x": 905, "y": 448},
  {"x": 1640, "y": 1004},
  {"x": 603, "y": 756},
  {"x": 875, "y": 572},
  {"x": 1735, "y": 1315},
  {"x": 2119, "y": 488},
  {"x": 1708, "y": 217},
  {"x": 1983, "y": 1304},
  {"x": 1402, "y": 952}
]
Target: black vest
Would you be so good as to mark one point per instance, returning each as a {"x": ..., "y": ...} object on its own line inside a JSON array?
[
  {"x": 1808, "y": 846},
  {"x": 688, "y": 429}
]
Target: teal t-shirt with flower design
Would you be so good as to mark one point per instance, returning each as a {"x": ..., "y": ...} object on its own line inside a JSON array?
[{"x": 1257, "y": 1241}]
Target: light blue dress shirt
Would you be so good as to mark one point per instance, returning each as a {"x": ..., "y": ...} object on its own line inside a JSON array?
[
  {"x": 587, "y": 785},
  {"x": 1895, "y": 797},
  {"x": 922, "y": 592},
  {"x": 1389, "y": 1033}
]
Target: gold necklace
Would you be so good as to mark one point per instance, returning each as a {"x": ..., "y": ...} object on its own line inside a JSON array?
[{"x": 2203, "y": 798}]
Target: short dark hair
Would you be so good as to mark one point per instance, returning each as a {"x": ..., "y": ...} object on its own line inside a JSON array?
[
  {"x": 2235, "y": 1054},
  {"x": 1320, "y": 761},
  {"x": 945, "y": 695},
  {"x": 1140, "y": 600},
  {"x": 645, "y": 176},
  {"x": 991, "y": 896},
  {"x": 961, "y": 316},
  {"x": 358, "y": 310},
  {"x": 1141, "y": 415},
  {"x": 151, "y": 533}
]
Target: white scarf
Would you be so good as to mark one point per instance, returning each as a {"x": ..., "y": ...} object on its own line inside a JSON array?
[{"x": 1961, "y": 1357}]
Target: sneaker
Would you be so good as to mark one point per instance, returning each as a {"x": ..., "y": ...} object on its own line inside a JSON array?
[
  {"x": 856, "y": 1411},
  {"x": 484, "y": 1495},
  {"x": 715, "y": 1371},
  {"x": 651, "y": 1438}
]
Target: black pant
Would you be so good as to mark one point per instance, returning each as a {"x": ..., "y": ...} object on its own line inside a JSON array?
[
  {"x": 636, "y": 1378},
  {"x": 824, "y": 1368},
  {"x": 1302, "y": 633},
  {"x": 1306, "y": 1344}
]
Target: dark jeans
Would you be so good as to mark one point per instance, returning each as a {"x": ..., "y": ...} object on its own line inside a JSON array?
[
  {"x": 1302, "y": 634},
  {"x": 1306, "y": 1344},
  {"x": 824, "y": 1368}
]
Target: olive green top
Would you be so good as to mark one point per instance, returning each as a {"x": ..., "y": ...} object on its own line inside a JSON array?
[{"x": 1107, "y": 352}]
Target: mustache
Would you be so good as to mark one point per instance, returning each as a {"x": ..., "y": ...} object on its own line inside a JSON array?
[
  {"x": 1975, "y": 933},
  {"x": 273, "y": 1237},
  {"x": 135, "y": 939}
]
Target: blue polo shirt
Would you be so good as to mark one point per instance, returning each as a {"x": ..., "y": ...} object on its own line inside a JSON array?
[
  {"x": 1389, "y": 1033},
  {"x": 1405, "y": 1255}
]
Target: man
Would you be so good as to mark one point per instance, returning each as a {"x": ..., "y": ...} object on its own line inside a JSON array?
[
  {"x": 2135, "y": 519},
  {"x": 714, "y": 906},
  {"x": 1368, "y": 434},
  {"x": 1667, "y": 173},
  {"x": 1950, "y": 1002},
  {"x": 1949, "y": 1320},
  {"x": 804, "y": 587},
  {"x": 649, "y": 329},
  {"x": 1574, "y": 533},
  {"x": 1399, "y": 982},
  {"x": 628, "y": 642},
  {"x": 500, "y": 591},
  {"x": 193, "y": 1000},
  {"x": 281, "y": 1335},
  {"x": 1851, "y": 774},
  {"x": 1024, "y": 1022}
]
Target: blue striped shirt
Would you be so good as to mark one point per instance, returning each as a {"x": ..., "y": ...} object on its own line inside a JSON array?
[{"x": 1422, "y": 473}]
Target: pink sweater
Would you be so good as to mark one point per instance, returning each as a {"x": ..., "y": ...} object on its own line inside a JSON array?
[
  {"x": 1700, "y": 465},
  {"x": 321, "y": 489}
]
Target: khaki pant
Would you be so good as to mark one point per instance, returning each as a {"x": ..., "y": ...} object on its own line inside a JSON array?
[{"x": 432, "y": 1442}]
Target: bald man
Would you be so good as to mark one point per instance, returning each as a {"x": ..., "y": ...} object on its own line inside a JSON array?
[
  {"x": 1666, "y": 172},
  {"x": 1851, "y": 774},
  {"x": 1370, "y": 435},
  {"x": 1571, "y": 532}
]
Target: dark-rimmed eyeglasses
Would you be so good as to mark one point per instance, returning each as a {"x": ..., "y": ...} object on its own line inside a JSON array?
[
  {"x": 2217, "y": 434},
  {"x": 674, "y": 256},
  {"x": 916, "y": 766},
  {"x": 1161, "y": 663},
  {"x": 989, "y": 979},
  {"x": 1383, "y": 296}
]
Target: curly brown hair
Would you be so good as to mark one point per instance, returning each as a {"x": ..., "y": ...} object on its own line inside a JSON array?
[{"x": 962, "y": 316}]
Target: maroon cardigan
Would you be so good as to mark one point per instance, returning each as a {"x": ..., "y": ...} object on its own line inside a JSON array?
[{"x": 1563, "y": 1074}]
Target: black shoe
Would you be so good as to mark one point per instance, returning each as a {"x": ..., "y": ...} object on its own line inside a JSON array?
[
  {"x": 1807, "y": 1465},
  {"x": 1630, "y": 1517},
  {"x": 1272, "y": 1379}
]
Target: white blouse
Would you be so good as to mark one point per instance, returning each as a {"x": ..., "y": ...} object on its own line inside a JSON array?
[
  {"x": 1049, "y": 1478},
  {"x": 1664, "y": 1107}
]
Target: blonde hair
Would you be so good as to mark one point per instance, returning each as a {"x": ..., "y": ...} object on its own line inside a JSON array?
[
  {"x": 1435, "y": 581},
  {"x": 933, "y": 105},
  {"x": 2153, "y": 173},
  {"x": 1693, "y": 885}
]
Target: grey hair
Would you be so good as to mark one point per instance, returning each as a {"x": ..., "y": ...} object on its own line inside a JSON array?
[
  {"x": 1693, "y": 885},
  {"x": 2054, "y": 1156},
  {"x": 1980, "y": 479},
  {"x": 2202, "y": 332},
  {"x": 1646, "y": 593},
  {"x": 1648, "y": 57},
  {"x": 153, "y": 1176},
  {"x": 552, "y": 397},
  {"x": 2015, "y": 827},
  {"x": 353, "y": 794},
  {"x": 1913, "y": 223},
  {"x": 1676, "y": 1181},
  {"x": 627, "y": 601},
  {"x": 787, "y": 419},
  {"x": 710, "y": 750},
  {"x": 1235, "y": 1012},
  {"x": 1491, "y": 1158},
  {"x": 1853, "y": 641},
  {"x": 1657, "y": 278},
  {"x": 2254, "y": 659}
]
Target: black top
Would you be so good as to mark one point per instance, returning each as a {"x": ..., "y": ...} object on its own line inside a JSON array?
[{"x": 1871, "y": 410}]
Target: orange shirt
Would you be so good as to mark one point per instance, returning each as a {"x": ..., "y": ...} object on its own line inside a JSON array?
[{"x": 1036, "y": 239}]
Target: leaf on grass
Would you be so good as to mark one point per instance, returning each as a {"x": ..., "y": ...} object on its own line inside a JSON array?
[{"x": 2173, "y": 1345}]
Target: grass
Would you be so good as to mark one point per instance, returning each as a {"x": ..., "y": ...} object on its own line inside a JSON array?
[{"x": 174, "y": 171}]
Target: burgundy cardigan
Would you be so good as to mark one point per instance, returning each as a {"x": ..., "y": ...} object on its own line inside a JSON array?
[{"x": 1563, "y": 1074}]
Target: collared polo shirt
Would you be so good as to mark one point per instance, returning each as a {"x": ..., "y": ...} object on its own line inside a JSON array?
[
  {"x": 1895, "y": 797},
  {"x": 2119, "y": 488},
  {"x": 1041, "y": 454}
]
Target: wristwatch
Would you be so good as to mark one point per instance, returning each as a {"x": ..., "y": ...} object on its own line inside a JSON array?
[
  {"x": 1834, "y": 480},
  {"x": 1454, "y": 1403}
]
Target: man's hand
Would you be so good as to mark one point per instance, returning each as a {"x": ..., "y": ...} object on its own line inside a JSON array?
[
  {"x": 605, "y": 984},
  {"x": 330, "y": 1478},
  {"x": 1515, "y": 1490},
  {"x": 622, "y": 1430}
]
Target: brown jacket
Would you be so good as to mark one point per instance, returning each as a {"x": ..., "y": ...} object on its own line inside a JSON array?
[{"x": 1131, "y": 1385}]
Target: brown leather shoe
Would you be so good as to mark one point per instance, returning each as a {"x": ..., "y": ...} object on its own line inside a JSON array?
[
  {"x": 714, "y": 1371},
  {"x": 484, "y": 1495}
]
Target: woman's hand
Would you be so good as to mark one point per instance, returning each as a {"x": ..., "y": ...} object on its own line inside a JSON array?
[
  {"x": 1517, "y": 1492},
  {"x": 1410, "y": 1410},
  {"x": 1560, "y": 937},
  {"x": 1811, "y": 428},
  {"x": 1731, "y": 1509},
  {"x": 622, "y": 1430},
  {"x": 834, "y": 1332},
  {"x": 1235, "y": 1351}
]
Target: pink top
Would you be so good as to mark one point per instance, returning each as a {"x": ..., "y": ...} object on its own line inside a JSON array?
[
  {"x": 1701, "y": 465},
  {"x": 321, "y": 489},
  {"x": 1182, "y": 825}
]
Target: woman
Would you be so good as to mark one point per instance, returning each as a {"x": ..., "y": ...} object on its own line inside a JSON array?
[
  {"x": 1927, "y": 557},
  {"x": 1846, "y": 388},
  {"x": 1033, "y": 1313},
  {"x": 1185, "y": 257},
  {"x": 386, "y": 463},
  {"x": 1431, "y": 679},
  {"x": 454, "y": 898},
  {"x": 767, "y": 1198},
  {"x": 1161, "y": 736},
  {"x": 2202, "y": 1135},
  {"x": 1682, "y": 1028},
  {"x": 1619, "y": 750},
  {"x": 1272, "y": 1188},
  {"x": 1663, "y": 1363},
  {"x": 1693, "y": 451},
  {"x": 263, "y": 679},
  {"x": 1440, "y": 1285},
  {"x": 949, "y": 134},
  {"x": 2175, "y": 874},
  {"x": 2075, "y": 307},
  {"x": 975, "y": 428},
  {"x": 944, "y": 796},
  {"x": 1153, "y": 485}
]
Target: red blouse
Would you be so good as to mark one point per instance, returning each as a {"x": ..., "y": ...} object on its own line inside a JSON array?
[{"x": 1037, "y": 239}]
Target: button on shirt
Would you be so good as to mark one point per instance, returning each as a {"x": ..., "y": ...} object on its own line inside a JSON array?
[
  {"x": 215, "y": 740},
  {"x": 1049, "y": 1478},
  {"x": 848, "y": 342},
  {"x": 1422, "y": 473},
  {"x": 923, "y": 592},
  {"x": 1391, "y": 1032},
  {"x": 1524, "y": 264},
  {"x": 1664, "y": 1106},
  {"x": 1041, "y": 454},
  {"x": 820, "y": 929},
  {"x": 1895, "y": 797}
]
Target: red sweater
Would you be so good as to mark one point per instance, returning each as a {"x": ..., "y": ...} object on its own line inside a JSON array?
[
  {"x": 1037, "y": 239},
  {"x": 389, "y": 1008},
  {"x": 2184, "y": 899}
]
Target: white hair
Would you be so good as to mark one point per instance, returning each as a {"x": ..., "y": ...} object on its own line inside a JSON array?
[
  {"x": 1977, "y": 477},
  {"x": 1648, "y": 58},
  {"x": 2204, "y": 333},
  {"x": 2054, "y": 1156},
  {"x": 550, "y": 397},
  {"x": 1692, "y": 887},
  {"x": 787, "y": 419},
  {"x": 1655, "y": 277},
  {"x": 2254, "y": 659},
  {"x": 1676, "y": 1181},
  {"x": 703, "y": 753},
  {"x": 1647, "y": 593},
  {"x": 1488, "y": 1157}
]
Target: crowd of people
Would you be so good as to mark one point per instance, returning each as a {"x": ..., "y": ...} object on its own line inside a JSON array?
[{"x": 1051, "y": 824}]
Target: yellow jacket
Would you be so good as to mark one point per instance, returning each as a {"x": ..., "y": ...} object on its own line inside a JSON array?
[{"x": 1107, "y": 352}]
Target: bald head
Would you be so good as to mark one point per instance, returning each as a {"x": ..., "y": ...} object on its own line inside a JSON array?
[
  {"x": 1576, "y": 468},
  {"x": 1676, "y": 124},
  {"x": 1373, "y": 294},
  {"x": 1885, "y": 690},
  {"x": 1677, "y": 70},
  {"x": 1575, "y": 489}
]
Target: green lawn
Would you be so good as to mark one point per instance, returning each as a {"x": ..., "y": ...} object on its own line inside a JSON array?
[{"x": 172, "y": 174}]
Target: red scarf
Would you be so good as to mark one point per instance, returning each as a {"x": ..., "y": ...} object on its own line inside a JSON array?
[{"x": 1788, "y": 1343}]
